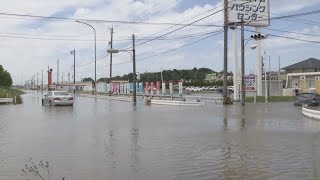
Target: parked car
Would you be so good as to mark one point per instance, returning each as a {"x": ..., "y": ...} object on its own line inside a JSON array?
[
  {"x": 58, "y": 98},
  {"x": 197, "y": 89},
  {"x": 214, "y": 88},
  {"x": 189, "y": 88},
  {"x": 230, "y": 88},
  {"x": 220, "y": 90},
  {"x": 310, "y": 99}
]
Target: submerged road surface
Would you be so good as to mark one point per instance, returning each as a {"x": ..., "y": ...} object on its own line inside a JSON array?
[{"x": 105, "y": 139}]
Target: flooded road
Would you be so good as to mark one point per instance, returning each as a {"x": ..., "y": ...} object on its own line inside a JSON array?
[{"x": 104, "y": 139}]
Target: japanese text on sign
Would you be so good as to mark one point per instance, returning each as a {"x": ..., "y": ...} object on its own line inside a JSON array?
[
  {"x": 250, "y": 83},
  {"x": 252, "y": 12}
]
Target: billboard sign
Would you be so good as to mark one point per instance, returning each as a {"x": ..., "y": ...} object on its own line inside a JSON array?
[
  {"x": 151, "y": 88},
  {"x": 158, "y": 87},
  {"x": 180, "y": 88},
  {"x": 163, "y": 88},
  {"x": 171, "y": 88},
  {"x": 250, "y": 83},
  {"x": 253, "y": 12}
]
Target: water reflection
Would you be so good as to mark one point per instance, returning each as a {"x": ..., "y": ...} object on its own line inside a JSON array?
[
  {"x": 116, "y": 140},
  {"x": 110, "y": 143},
  {"x": 243, "y": 118},
  {"x": 135, "y": 149},
  {"x": 225, "y": 118},
  {"x": 315, "y": 172}
]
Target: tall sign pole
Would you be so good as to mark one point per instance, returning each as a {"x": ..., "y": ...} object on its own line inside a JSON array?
[
  {"x": 243, "y": 91},
  {"x": 255, "y": 14},
  {"x": 73, "y": 52}
]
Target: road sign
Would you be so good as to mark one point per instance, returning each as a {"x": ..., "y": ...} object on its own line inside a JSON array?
[
  {"x": 253, "y": 12},
  {"x": 250, "y": 83}
]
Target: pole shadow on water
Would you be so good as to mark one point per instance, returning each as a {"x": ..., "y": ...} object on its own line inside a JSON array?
[
  {"x": 233, "y": 152},
  {"x": 111, "y": 155},
  {"x": 135, "y": 146}
]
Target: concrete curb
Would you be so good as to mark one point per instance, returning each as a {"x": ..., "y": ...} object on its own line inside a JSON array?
[
  {"x": 177, "y": 103},
  {"x": 311, "y": 113}
]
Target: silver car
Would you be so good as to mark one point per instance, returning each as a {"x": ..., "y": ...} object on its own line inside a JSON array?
[{"x": 58, "y": 98}]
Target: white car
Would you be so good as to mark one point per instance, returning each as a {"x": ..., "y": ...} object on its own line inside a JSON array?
[
  {"x": 189, "y": 88},
  {"x": 230, "y": 88},
  {"x": 197, "y": 89},
  {"x": 214, "y": 88},
  {"x": 58, "y": 98}
]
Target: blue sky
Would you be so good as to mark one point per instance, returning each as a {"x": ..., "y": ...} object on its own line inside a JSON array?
[{"x": 27, "y": 57}]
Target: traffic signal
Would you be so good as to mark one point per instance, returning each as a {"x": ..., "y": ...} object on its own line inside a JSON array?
[{"x": 259, "y": 36}]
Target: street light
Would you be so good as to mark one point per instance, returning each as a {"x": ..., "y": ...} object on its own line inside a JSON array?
[
  {"x": 95, "y": 54},
  {"x": 243, "y": 45},
  {"x": 265, "y": 72},
  {"x": 133, "y": 55},
  {"x": 253, "y": 46}
]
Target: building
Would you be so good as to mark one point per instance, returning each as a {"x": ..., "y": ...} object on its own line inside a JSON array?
[{"x": 304, "y": 74}]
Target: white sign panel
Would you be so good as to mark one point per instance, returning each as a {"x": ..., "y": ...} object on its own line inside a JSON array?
[
  {"x": 180, "y": 88},
  {"x": 250, "y": 83},
  {"x": 171, "y": 88},
  {"x": 163, "y": 88},
  {"x": 252, "y": 12}
]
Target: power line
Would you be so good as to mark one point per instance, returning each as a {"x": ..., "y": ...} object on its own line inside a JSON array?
[
  {"x": 194, "y": 42},
  {"x": 179, "y": 28},
  {"x": 287, "y": 37},
  {"x": 148, "y": 14},
  {"x": 98, "y": 20},
  {"x": 186, "y": 20},
  {"x": 291, "y": 32},
  {"x": 49, "y": 38}
]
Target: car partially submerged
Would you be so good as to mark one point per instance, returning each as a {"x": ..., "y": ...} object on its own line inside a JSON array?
[
  {"x": 58, "y": 98},
  {"x": 309, "y": 99}
]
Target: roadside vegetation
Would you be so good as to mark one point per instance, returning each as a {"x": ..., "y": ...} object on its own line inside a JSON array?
[
  {"x": 191, "y": 77},
  {"x": 6, "y": 90}
]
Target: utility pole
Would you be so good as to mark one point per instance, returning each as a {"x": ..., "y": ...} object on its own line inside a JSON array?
[
  {"x": 161, "y": 76},
  {"x": 57, "y": 73},
  {"x": 279, "y": 68},
  {"x": 269, "y": 82},
  {"x": 37, "y": 80},
  {"x": 62, "y": 79},
  {"x": 73, "y": 52},
  {"x": 243, "y": 90},
  {"x": 42, "y": 81},
  {"x": 111, "y": 45},
  {"x": 225, "y": 67},
  {"x": 134, "y": 69},
  {"x": 265, "y": 78}
]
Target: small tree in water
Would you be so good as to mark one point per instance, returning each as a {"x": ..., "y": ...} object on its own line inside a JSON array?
[{"x": 40, "y": 170}]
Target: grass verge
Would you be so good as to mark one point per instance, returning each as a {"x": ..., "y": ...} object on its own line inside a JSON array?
[{"x": 6, "y": 92}]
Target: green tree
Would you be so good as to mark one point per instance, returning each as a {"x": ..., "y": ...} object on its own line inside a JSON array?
[
  {"x": 87, "y": 79},
  {"x": 5, "y": 77}
]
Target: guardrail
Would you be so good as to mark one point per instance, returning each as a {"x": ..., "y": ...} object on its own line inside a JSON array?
[
  {"x": 177, "y": 103},
  {"x": 311, "y": 113},
  {"x": 8, "y": 100}
]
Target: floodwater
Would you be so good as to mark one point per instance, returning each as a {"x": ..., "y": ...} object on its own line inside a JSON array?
[{"x": 105, "y": 139}]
